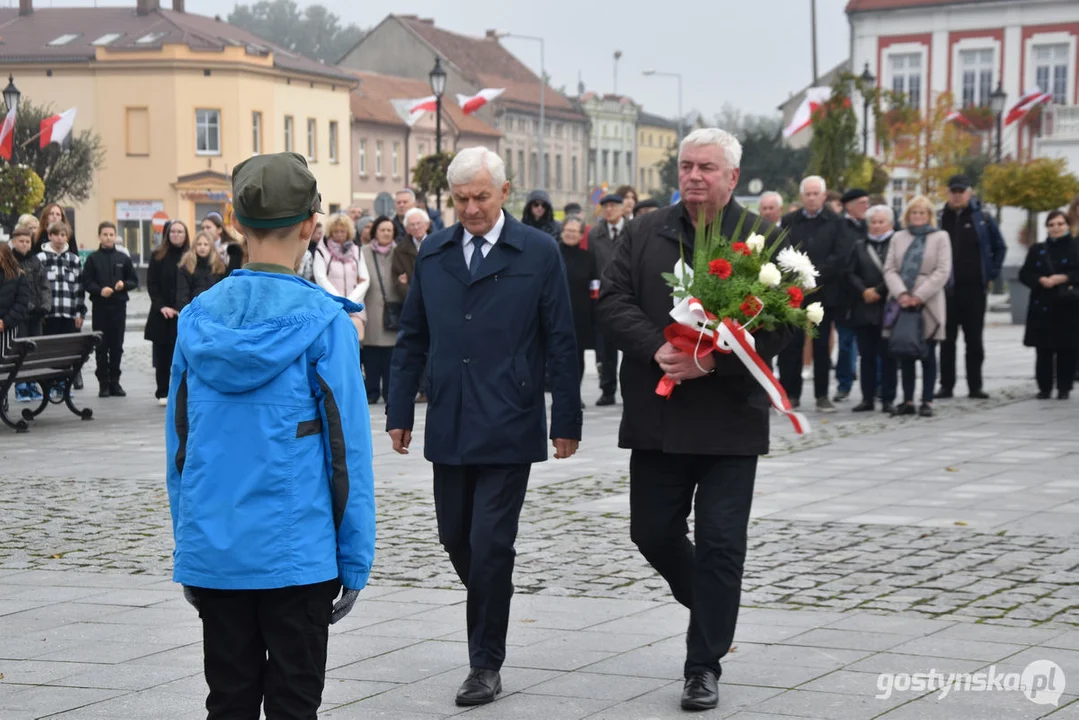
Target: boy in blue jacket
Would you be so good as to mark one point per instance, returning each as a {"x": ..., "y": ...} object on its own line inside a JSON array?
[{"x": 269, "y": 458}]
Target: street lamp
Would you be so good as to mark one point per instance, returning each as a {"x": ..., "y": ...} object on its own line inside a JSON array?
[
  {"x": 543, "y": 98},
  {"x": 867, "y": 79},
  {"x": 678, "y": 76},
  {"x": 997, "y": 99},
  {"x": 438, "y": 86}
]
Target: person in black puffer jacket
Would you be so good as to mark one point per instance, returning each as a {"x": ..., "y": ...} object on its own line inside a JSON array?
[
  {"x": 161, "y": 285},
  {"x": 200, "y": 269},
  {"x": 108, "y": 276},
  {"x": 539, "y": 213},
  {"x": 22, "y": 243},
  {"x": 14, "y": 293}
]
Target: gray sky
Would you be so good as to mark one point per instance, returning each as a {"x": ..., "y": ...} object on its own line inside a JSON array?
[{"x": 750, "y": 53}]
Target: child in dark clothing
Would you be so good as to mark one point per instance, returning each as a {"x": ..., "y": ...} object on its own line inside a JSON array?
[
  {"x": 108, "y": 277},
  {"x": 22, "y": 241},
  {"x": 63, "y": 269}
]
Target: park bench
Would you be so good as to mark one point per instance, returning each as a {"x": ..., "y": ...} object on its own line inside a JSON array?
[{"x": 51, "y": 361}]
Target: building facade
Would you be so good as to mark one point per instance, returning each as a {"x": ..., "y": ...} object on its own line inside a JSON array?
[
  {"x": 656, "y": 137},
  {"x": 612, "y": 152},
  {"x": 178, "y": 100},
  {"x": 407, "y": 45}
]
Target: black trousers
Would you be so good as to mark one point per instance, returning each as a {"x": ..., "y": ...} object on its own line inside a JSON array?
[
  {"x": 478, "y": 509},
  {"x": 58, "y": 326},
  {"x": 607, "y": 357},
  {"x": 789, "y": 362},
  {"x": 111, "y": 322},
  {"x": 376, "y": 371},
  {"x": 873, "y": 348},
  {"x": 163, "y": 352},
  {"x": 1064, "y": 362},
  {"x": 929, "y": 373},
  {"x": 822, "y": 357},
  {"x": 706, "y": 577},
  {"x": 966, "y": 310},
  {"x": 266, "y": 646}
]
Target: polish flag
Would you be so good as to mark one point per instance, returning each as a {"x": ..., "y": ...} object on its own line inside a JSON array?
[
  {"x": 412, "y": 110},
  {"x": 471, "y": 103},
  {"x": 57, "y": 129},
  {"x": 803, "y": 116},
  {"x": 7, "y": 135},
  {"x": 1028, "y": 102},
  {"x": 958, "y": 117}
]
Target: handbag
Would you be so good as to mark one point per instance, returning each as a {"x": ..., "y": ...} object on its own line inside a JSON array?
[
  {"x": 908, "y": 335},
  {"x": 391, "y": 311},
  {"x": 1066, "y": 294}
]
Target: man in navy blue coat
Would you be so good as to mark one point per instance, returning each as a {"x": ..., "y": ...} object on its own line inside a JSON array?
[{"x": 488, "y": 313}]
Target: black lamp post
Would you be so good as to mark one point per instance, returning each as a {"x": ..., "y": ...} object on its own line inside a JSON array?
[
  {"x": 867, "y": 79},
  {"x": 11, "y": 101},
  {"x": 997, "y": 100},
  {"x": 438, "y": 86}
]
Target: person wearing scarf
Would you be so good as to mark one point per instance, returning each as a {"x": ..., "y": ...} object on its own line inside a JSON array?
[
  {"x": 917, "y": 269},
  {"x": 379, "y": 257},
  {"x": 338, "y": 269}
]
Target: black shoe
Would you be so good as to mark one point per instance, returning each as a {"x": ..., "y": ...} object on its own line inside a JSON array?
[
  {"x": 583, "y": 406},
  {"x": 888, "y": 408},
  {"x": 905, "y": 409},
  {"x": 481, "y": 687},
  {"x": 1063, "y": 395},
  {"x": 863, "y": 406},
  {"x": 1044, "y": 395},
  {"x": 795, "y": 403},
  {"x": 103, "y": 390},
  {"x": 605, "y": 400},
  {"x": 78, "y": 381},
  {"x": 700, "y": 691},
  {"x": 841, "y": 396},
  {"x": 926, "y": 410},
  {"x": 116, "y": 391},
  {"x": 943, "y": 394},
  {"x": 978, "y": 395}
]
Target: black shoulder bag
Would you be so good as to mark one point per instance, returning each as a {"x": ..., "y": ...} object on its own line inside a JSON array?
[{"x": 391, "y": 311}]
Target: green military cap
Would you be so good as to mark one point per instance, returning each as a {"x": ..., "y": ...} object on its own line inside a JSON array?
[{"x": 274, "y": 191}]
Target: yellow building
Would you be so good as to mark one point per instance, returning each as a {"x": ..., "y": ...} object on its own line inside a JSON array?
[
  {"x": 178, "y": 100},
  {"x": 655, "y": 138}
]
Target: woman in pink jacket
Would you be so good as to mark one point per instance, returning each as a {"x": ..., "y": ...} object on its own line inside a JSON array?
[{"x": 339, "y": 270}]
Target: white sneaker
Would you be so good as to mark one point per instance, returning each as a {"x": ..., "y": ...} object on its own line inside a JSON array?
[{"x": 163, "y": 402}]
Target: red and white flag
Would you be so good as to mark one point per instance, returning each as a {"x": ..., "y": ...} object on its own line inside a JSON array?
[
  {"x": 803, "y": 116},
  {"x": 412, "y": 110},
  {"x": 7, "y": 135},
  {"x": 957, "y": 116},
  {"x": 471, "y": 103},
  {"x": 57, "y": 129},
  {"x": 1030, "y": 100}
]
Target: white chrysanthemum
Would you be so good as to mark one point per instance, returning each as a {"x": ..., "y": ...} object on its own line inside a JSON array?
[{"x": 796, "y": 262}]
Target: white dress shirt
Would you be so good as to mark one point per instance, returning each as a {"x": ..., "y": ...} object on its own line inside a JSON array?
[
  {"x": 491, "y": 238},
  {"x": 613, "y": 230}
]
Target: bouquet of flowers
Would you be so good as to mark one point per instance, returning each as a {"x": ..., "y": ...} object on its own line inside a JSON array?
[{"x": 734, "y": 289}]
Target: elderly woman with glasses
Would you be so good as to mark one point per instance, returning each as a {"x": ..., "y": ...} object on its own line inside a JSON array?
[{"x": 866, "y": 277}]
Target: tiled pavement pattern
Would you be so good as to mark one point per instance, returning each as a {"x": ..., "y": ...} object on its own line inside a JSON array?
[{"x": 877, "y": 546}]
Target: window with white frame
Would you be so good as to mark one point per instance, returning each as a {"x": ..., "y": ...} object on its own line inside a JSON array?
[
  {"x": 256, "y": 133},
  {"x": 333, "y": 141},
  {"x": 378, "y": 158},
  {"x": 288, "y": 133},
  {"x": 312, "y": 140},
  {"x": 208, "y": 132},
  {"x": 1051, "y": 70},
  {"x": 396, "y": 159},
  {"x": 898, "y": 196},
  {"x": 976, "y": 76},
  {"x": 906, "y": 73},
  {"x": 363, "y": 158}
]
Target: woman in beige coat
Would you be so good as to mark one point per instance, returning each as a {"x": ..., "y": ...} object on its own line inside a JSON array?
[
  {"x": 378, "y": 341},
  {"x": 917, "y": 269}
]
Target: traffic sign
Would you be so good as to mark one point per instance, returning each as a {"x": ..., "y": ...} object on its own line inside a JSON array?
[{"x": 159, "y": 219}]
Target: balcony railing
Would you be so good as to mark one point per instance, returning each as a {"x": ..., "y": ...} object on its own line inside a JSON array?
[{"x": 1061, "y": 121}]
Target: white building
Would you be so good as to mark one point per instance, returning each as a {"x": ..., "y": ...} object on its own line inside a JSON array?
[{"x": 613, "y": 142}]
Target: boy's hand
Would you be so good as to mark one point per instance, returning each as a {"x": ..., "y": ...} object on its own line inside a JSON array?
[
  {"x": 343, "y": 606},
  {"x": 120, "y": 286},
  {"x": 401, "y": 440},
  {"x": 106, "y": 292},
  {"x": 78, "y": 323}
]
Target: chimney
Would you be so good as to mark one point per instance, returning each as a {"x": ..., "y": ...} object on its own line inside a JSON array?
[
  {"x": 178, "y": 5},
  {"x": 26, "y": 7},
  {"x": 145, "y": 7}
]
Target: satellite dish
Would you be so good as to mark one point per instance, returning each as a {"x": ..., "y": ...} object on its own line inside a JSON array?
[
  {"x": 384, "y": 205},
  {"x": 755, "y": 186}
]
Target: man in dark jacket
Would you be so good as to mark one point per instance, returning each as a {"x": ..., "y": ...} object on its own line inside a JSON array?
[
  {"x": 603, "y": 239},
  {"x": 818, "y": 232},
  {"x": 977, "y": 255},
  {"x": 855, "y": 206},
  {"x": 488, "y": 310},
  {"x": 705, "y": 439},
  {"x": 108, "y": 277},
  {"x": 403, "y": 201}
]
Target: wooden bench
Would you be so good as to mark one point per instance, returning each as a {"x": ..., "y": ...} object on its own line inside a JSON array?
[{"x": 51, "y": 361}]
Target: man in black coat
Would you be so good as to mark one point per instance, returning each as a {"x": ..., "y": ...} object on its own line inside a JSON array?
[
  {"x": 855, "y": 206},
  {"x": 705, "y": 439},
  {"x": 488, "y": 313},
  {"x": 603, "y": 239},
  {"x": 818, "y": 232}
]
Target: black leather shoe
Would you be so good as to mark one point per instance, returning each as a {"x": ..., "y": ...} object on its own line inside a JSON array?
[
  {"x": 905, "y": 409},
  {"x": 887, "y": 408},
  {"x": 481, "y": 687},
  {"x": 864, "y": 406},
  {"x": 1044, "y": 395},
  {"x": 1063, "y": 395},
  {"x": 926, "y": 410},
  {"x": 701, "y": 691},
  {"x": 103, "y": 390},
  {"x": 943, "y": 394},
  {"x": 605, "y": 400},
  {"x": 978, "y": 395},
  {"x": 116, "y": 391}
]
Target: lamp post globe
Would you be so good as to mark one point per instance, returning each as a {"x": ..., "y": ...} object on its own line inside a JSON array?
[{"x": 11, "y": 95}]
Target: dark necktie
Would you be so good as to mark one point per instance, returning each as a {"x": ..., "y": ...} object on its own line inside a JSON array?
[{"x": 477, "y": 254}]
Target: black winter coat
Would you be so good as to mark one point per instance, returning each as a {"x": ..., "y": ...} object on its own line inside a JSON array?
[
  {"x": 1053, "y": 313},
  {"x": 865, "y": 273},
  {"x": 581, "y": 270},
  {"x": 40, "y": 293},
  {"x": 235, "y": 252},
  {"x": 162, "y": 279},
  {"x": 189, "y": 285},
  {"x": 14, "y": 300},
  {"x": 827, "y": 242},
  {"x": 722, "y": 414},
  {"x": 105, "y": 268}
]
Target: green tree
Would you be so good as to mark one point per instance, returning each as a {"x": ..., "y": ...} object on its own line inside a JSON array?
[
  {"x": 833, "y": 151},
  {"x": 668, "y": 178},
  {"x": 315, "y": 32},
  {"x": 1036, "y": 186},
  {"x": 429, "y": 175}
]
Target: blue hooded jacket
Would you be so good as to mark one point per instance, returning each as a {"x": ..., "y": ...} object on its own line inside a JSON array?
[{"x": 268, "y": 439}]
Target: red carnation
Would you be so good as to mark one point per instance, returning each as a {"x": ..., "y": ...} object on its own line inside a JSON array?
[
  {"x": 796, "y": 296},
  {"x": 720, "y": 268},
  {"x": 741, "y": 247},
  {"x": 750, "y": 307}
]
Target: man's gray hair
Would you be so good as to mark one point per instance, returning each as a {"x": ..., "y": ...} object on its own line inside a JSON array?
[
  {"x": 813, "y": 178},
  {"x": 573, "y": 219},
  {"x": 886, "y": 209},
  {"x": 417, "y": 211},
  {"x": 771, "y": 194},
  {"x": 468, "y": 163},
  {"x": 732, "y": 149},
  {"x": 410, "y": 192}
]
